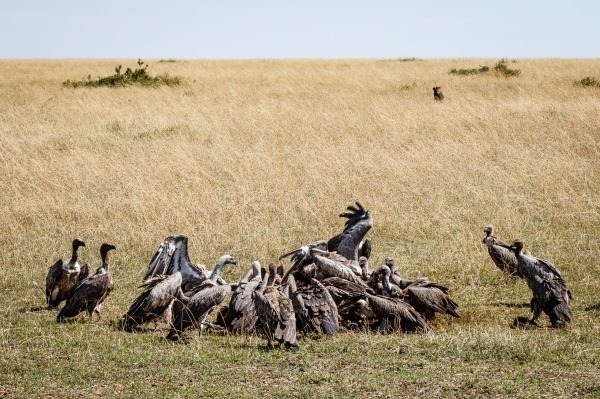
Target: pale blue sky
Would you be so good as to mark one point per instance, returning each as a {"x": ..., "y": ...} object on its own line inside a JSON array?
[{"x": 185, "y": 29}]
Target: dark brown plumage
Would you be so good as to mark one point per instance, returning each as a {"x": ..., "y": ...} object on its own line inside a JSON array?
[
  {"x": 204, "y": 300},
  {"x": 90, "y": 293},
  {"x": 155, "y": 301},
  {"x": 500, "y": 253},
  {"x": 438, "y": 93},
  {"x": 395, "y": 315},
  {"x": 62, "y": 276},
  {"x": 550, "y": 292},
  {"x": 314, "y": 307},
  {"x": 427, "y": 297},
  {"x": 241, "y": 314},
  {"x": 357, "y": 226},
  {"x": 275, "y": 312}
]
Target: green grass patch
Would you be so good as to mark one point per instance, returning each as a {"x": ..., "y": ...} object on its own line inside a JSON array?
[
  {"x": 138, "y": 76},
  {"x": 501, "y": 69},
  {"x": 588, "y": 81}
]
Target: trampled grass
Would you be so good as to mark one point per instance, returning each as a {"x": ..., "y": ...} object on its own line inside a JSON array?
[{"x": 257, "y": 157}]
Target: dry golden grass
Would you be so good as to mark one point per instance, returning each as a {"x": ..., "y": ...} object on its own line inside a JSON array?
[{"x": 257, "y": 157}]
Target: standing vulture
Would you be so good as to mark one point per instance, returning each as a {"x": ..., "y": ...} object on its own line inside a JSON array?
[
  {"x": 276, "y": 313},
  {"x": 314, "y": 307},
  {"x": 240, "y": 316},
  {"x": 550, "y": 292},
  {"x": 155, "y": 301},
  {"x": 503, "y": 257},
  {"x": 203, "y": 300},
  {"x": 90, "y": 292},
  {"x": 62, "y": 276}
]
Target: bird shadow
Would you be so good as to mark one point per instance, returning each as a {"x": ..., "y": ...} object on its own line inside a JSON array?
[
  {"x": 512, "y": 305},
  {"x": 593, "y": 307}
]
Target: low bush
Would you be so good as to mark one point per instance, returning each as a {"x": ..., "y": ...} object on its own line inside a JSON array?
[
  {"x": 589, "y": 81},
  {"x": 501, "y": 68},
  {"x": 137, "y": 76}
]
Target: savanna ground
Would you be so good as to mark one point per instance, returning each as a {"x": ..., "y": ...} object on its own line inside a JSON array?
[{"x": 254, "y": 158}]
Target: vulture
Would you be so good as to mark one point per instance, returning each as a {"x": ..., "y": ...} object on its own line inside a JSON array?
[
  {"x": 240, "y": 316},
  {"x": 364, "y": 249},
  {"x": 172, "y": 257},
  {"x": 359, "y": 306},
  {"x": 203, "y": 300},
  {"x": 314, "y": 307},
  {"x": 309, "y": 262},
  {"x": 90, "y": 293},
  {"x": 275, "y": 312},
  {"x": 363, "y": 262},
  {"x": 155, "y": 301},
  {"x": 503, "y": 257},
  {"x": 346, "y": 295},
  {"x": 428, "y": 298},
  {"x": 349, "y": 242},
  {"x": 62, "y": 276},
  {"x": 393, "y": 314},
  {"x": 550, "y": 292}
]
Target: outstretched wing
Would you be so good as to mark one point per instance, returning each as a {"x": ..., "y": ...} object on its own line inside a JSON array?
[
  {"x": 172, "y": 257},
  {"x": 162, "y": 259},
  {"x": 358, "y": 224}
]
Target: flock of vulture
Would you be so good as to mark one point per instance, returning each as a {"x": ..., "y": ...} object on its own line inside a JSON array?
[{"x": 328, "y": 287}]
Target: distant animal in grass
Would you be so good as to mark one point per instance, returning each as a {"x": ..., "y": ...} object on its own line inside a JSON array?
[
  {"x": 438, "y": 93},
  {"x": 90, "y": 293},
  {"x": 62, "y": 276}
]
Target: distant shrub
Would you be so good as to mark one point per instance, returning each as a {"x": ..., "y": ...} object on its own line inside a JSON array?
[
  {"x": 138, "y": 76},
  {"x": 472, "y": 71},
  {"x": 588, "y": 81},
  {"x": 169, "y": 60},
  {"x": 409, "y": 59},
  {"x": 501, "y": 68}
]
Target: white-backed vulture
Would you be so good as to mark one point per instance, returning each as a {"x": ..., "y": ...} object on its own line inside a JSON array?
[
  {"x": 315, "y": 263},
  {"x": 155, "y": 301},
  {"x": 240, "y": 316},
  {"x": 314, "y": 307},
  {"x": 550, "y": 292},
  {"x": 62, "y": 276},
  {"x": 90, "y": 293},
  {"x": 172, "y": 257},
  {"x": 275, "y": 312},
  {"x": 427, "y": 297},
  {"x": 205, "y": 298},
  {"x": 394, "y": 314},
  {"x": 357, "y": 226},
  {"x": 502, "y": 257}
]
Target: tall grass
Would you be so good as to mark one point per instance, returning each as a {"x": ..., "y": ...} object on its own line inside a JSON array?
[{"x": 257, "y": 157}]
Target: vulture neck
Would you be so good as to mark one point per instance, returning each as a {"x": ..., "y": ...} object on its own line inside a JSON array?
[
  {"x": 216, "y": 271},
  {"x": 105, "y": 260},
  {"x": 255, "y": 270},
  {"x": 75, "y": 252}
]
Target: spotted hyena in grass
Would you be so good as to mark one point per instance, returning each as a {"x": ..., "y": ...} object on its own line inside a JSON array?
[{"x": 438, "y": 93}]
